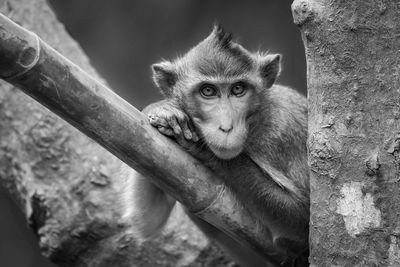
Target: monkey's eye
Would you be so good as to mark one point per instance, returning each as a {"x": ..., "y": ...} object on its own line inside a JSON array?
[
  {"x": 208, "y": 91},
  {"x": 238, "y": 89}
]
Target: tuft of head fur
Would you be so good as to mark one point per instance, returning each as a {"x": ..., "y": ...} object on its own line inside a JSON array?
[
  {"x": 219, "y": 56},
  {"x": 224, "y": 38}
]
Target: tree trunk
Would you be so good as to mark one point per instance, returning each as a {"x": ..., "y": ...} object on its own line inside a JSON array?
[
  {"x": 66, "y": 184},
  {"x": 353, "y": 71}
]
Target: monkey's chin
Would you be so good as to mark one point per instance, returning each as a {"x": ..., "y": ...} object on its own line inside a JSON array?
[{"x": 225, "y": 153}]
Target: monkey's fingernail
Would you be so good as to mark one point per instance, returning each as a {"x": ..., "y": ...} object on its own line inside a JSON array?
[
  {"x": 188, "y": 134},
  {"x": 177, "y": 130},
  {"x": 195, "y": 138}
]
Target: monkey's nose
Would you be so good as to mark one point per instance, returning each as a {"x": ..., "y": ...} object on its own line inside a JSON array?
[{"x": 226, "y": 128}]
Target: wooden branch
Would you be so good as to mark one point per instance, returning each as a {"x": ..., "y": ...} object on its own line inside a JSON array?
[{"x": 65, "y": 89}]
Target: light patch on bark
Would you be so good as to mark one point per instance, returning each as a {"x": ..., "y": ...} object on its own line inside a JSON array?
[
  {"x": 358, "y": 209},
  {"x": 394, "y": 252}
]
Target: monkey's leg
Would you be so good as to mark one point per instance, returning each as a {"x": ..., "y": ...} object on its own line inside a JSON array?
[{"x": 145, "y": 206}]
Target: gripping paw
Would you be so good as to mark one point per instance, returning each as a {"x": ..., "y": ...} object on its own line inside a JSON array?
[{"x": 171, "y": 121}]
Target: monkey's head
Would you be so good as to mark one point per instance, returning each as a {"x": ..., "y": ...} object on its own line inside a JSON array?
[{"x": 220, "y": 86}]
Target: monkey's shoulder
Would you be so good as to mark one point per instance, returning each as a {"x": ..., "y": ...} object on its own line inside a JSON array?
[
  {"x": 286, "y": 109},
  {"x": 287, "y": 96}
]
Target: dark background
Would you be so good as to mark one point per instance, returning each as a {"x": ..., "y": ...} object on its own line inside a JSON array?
[{"x": 123, "y": 38}]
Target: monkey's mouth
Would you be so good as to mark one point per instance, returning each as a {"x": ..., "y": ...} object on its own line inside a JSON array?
[
  {"x": 224, "y": 146},
  {"x": 226, "y": 153}
]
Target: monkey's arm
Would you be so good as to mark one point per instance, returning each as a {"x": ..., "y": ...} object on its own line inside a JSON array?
[
  {"x": 277, "y": 176},
  {"x": 144, "y": 205},
  {"x": 285, "y": 214}
]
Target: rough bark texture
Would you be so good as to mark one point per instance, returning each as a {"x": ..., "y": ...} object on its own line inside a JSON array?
[
  {"x": 352, "y": 50},
  {"x": 64, "y": 182}
]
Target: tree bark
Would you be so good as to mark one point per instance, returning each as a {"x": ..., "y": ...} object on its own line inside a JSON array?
[
  {"x": 353, "y": 75},
  {"x": 65, "y": 184}
]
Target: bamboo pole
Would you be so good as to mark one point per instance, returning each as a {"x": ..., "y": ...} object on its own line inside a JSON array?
[{"x": 55, "y": 82}]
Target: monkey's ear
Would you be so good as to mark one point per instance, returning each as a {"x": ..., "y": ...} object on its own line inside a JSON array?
[
  {"x": 164, "y": 76},
  {"x": 270, "y": 69}
]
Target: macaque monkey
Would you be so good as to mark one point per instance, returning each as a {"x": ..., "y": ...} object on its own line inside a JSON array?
[{"x": 222, "y": 105}]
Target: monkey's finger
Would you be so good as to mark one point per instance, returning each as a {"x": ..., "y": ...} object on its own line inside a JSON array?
[
  {"x": 181, "y": 140},
  {"x": 195, "y": 136},
  {"x": 157, "y": 121},
  {"x": 165, "y": 130},
  {"x": 187, "y": 133},
  {"x": 188, "y": 129},
  {"x": 174, "y": 125}
]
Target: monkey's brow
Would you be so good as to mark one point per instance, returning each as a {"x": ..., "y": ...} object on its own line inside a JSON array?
[{"x": 220, "y": 79}]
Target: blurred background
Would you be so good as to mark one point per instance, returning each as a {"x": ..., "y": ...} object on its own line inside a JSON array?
[{"x": 123, "y": 38}]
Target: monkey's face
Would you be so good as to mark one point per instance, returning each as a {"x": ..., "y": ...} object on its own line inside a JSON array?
[
  {"x": 219, "y": 112},
  {"x": 218, "y": 82}
]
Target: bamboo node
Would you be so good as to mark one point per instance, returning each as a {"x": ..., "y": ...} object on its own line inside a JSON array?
[{"x": 28, "y": 58}]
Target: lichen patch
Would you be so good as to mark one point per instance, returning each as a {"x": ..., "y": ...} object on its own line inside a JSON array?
[
  {"x": 358, "y": 209},
  {"x": 394, "y": 252}
]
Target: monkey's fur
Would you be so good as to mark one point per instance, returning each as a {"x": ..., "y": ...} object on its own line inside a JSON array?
[{"x": 256, "y": 142}]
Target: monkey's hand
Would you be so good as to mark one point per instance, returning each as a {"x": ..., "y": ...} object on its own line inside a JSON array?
[{"x": 170, "y": 120}]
